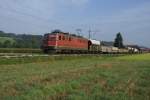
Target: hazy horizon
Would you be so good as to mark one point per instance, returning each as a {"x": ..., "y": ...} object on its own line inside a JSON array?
[{"x": 104, "y": 18}]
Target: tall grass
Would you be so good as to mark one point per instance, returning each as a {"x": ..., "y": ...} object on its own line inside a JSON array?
[{"x": 77, "y": 78}]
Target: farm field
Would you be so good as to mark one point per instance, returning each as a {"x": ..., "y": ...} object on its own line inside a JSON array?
[{"x": 76, "y": 78}]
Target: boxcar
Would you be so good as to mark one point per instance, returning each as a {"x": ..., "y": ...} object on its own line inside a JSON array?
[{"x": 106, "y": 49}]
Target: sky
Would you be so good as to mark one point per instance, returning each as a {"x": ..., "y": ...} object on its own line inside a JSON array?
[{"x": 104, "y": 18}]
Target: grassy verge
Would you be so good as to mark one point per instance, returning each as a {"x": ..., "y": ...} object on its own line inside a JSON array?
[
  {"x": 35, "y": 59},
  {"x": 78, "y": 78}
]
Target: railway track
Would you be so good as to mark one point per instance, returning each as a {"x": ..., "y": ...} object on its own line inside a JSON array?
[{"x": 22, "y": 55}]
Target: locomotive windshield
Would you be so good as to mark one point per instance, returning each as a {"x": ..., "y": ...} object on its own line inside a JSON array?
[
  {"x": 48, "y": 37},
  {"x": 52, "y": 38},
  {"x": 45, "y": 37}
]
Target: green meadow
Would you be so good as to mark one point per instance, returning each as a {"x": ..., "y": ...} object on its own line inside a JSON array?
[{"x": 76, "y": 78}]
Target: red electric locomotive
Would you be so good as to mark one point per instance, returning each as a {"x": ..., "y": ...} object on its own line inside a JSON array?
[{"x": 60, "y": 42}]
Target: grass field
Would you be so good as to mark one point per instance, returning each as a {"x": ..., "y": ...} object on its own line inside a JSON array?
[{"x": 76, "y": 78}]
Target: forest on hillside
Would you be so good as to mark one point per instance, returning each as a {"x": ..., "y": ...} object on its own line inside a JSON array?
[{"x": 12, "y": 40}]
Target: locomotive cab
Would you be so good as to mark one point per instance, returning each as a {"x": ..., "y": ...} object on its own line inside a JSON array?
[{"x": 49, "y": 43}]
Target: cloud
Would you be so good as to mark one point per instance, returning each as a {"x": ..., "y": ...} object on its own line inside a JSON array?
[
  {"x": 127, "y": 19},
  {"x": 33, "y": 7},
  {"x": 79, "y": 2},
  {"x": 133, "y": 22},
  {"x": 44, "y": 15},
  {"x": 74, "y": 2},
  {"x": 39, "y": 9}
]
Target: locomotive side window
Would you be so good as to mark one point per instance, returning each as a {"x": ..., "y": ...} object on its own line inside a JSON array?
[
  {"x": 69, "y": 38},
  {"x": 63, "y": 37},
  {"x": 59, "y": 37}
]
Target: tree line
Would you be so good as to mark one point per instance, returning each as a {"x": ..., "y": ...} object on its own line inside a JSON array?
[{"x": 20, "y": 40}]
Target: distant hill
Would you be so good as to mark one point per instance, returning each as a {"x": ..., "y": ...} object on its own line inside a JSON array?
[
  {"x": 106, "y": 43},
  {"x": 12, "y": 40}
]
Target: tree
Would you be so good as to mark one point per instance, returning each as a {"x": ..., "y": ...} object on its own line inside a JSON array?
[
  {"x": 118, "y": 41},
  {"x": 1, "y": 45},
  {"x": 7, "y": 44}
]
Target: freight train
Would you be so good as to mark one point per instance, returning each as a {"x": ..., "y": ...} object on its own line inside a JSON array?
[{"x": 60, "y": 42}]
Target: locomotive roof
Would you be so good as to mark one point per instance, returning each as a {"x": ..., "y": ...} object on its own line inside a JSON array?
[{"x": 73, "y": 35}]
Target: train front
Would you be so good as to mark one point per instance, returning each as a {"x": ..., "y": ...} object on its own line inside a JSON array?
[{"x": 49, "y": 44}]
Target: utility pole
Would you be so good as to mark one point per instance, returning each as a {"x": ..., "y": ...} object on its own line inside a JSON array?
[
  {"x": 90, "y": 33},
  {"x": 79, "y": 31}
]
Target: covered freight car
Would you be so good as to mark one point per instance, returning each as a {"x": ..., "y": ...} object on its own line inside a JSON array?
[{"x": 94, "y": 46}]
